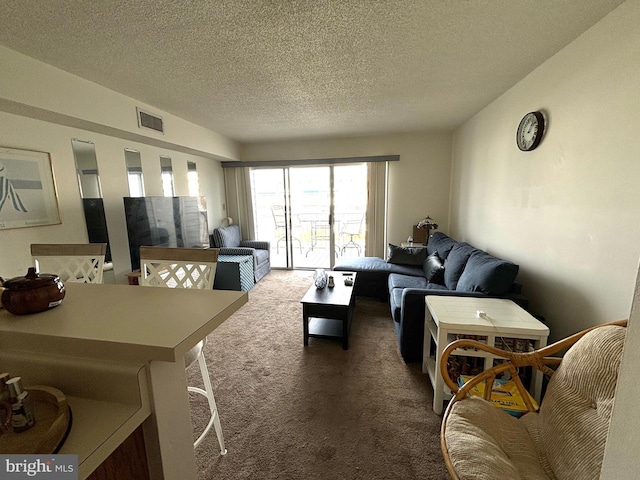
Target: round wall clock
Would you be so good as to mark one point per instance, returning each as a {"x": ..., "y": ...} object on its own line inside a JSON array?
[{"x": 530, "y": 131}]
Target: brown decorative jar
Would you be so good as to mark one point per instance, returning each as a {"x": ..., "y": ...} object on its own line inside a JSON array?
[{"x": 32, "y": 293}]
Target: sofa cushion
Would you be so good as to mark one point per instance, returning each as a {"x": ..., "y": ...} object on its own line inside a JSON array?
[
  {"x": 440, "y": 243},
  {"x": 227, "y": 236},
  {"x": 405, "y": 255},
  {"x": 433, "y": 267},
  {"x": 455, "y": 263},
  {"x": 397, "y": 280},
  {"x": 376, "y": 265},
  {"x": 437, "y": 286},
  {"x": 488, "y": 274}
]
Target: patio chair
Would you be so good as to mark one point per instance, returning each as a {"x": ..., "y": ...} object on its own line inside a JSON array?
[
  {"x": 350, "y": 228},
  {"x": 280, "y": 222}
]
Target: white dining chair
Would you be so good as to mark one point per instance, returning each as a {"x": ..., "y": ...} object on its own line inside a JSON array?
[
  {"x": 186, "y": 268},
  {"x": 72, "y": 262}
]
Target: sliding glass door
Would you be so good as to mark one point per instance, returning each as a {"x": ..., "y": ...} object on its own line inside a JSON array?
[
  {"x": 350, "y": 209},
  {"x": 312, "y": 215}
]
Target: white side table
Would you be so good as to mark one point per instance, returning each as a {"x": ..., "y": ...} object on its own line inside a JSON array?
[{"x": 447, "y": 317}]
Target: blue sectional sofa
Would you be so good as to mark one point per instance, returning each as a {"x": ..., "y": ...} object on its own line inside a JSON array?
[{"x": 445, "y": 267}]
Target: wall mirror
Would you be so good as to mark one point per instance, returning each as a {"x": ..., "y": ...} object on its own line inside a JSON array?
[
  {"x": 84, "y": 153},
  {"x": 134, "y": 172},
  {"x": 192, "y": 179},
  {"x": 167, "y": 176}
]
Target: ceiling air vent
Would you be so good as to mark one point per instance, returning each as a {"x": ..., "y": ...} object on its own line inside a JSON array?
[{"x": 146, "y": 120}]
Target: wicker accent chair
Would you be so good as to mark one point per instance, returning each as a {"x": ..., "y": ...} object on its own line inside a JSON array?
[{"x": 565, "y": 439}]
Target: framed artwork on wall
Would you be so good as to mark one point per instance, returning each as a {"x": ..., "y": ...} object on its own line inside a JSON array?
[{"x": 28, "y": 196}]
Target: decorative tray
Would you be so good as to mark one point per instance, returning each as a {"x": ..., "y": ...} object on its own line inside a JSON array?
[{"x": 53, "y": 422}]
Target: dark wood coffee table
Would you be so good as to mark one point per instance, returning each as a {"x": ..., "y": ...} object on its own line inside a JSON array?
[{"x": 327, "y": 312}]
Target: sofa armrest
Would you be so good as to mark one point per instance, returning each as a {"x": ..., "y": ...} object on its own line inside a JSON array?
[
  {"x": 257, "y": 244},
  {"x": 236, "y": 251}
]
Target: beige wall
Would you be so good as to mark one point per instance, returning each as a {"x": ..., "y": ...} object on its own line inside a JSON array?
[
  {"x": 37, "y": 114},
  {"x": 32, "y": 88},
  {"x": 26, "y": 133},
  {"x": 569, "y": 211},
  {"x": 418, "y": 183}
]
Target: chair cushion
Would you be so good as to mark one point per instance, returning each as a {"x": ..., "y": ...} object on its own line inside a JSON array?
[
  {"x": 227, "y": 236},
  {"x": 488, "y": 274},
  {"x": 486, "y": 443},
  {"x": 455, "y": 263},
  {"x": 574, "y": 416},
  {"x": 433, "y": 267},
  {"x": 405, "y": 255}
]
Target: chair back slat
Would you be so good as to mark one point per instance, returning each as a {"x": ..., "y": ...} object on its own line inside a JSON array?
[
  {"x": 178, "y": 267},
  {"x": 76, "y": 263}
]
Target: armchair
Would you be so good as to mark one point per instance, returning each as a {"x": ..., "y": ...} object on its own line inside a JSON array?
[
  {"x": 565, "y": 439},
  {"x": 228, "y": 240}
]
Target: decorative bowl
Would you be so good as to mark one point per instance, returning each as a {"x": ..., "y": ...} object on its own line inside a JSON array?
[
  {"x": 320, "y": 278},
  {"x": 32, "y": 293}
]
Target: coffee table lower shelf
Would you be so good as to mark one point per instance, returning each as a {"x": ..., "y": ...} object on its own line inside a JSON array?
[{"x": 329, "y": 328}]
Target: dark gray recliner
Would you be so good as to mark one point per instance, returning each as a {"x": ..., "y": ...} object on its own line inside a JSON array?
[{"x": 228, "y": 240}]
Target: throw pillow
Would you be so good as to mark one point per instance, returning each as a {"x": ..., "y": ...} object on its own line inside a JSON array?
[
  {"x": 228, "y": 237},
  {"x": 488, "y": 274},
  {"x": 441, "y": 244},
  {"x": 434, "y": 269},
  {"x": 406, "y": 255},
  {"x": 455, "y": 263}
]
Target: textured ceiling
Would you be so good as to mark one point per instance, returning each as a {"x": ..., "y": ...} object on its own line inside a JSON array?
[{"x": 258, "y": 70}]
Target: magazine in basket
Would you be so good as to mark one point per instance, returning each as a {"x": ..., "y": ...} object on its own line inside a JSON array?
[{"x": 504, "y": 395}]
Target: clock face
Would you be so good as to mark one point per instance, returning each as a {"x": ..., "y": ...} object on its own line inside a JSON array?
[{"x": 530, "y": 131}]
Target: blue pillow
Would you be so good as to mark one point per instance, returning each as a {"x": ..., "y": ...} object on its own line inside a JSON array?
[
  {"x": 441, "y": 244},
  {"x": 455, "y": 263},
  {"x": 227, "y": 236},
  {"x": 406, "y": 255},
  {"x": 488, "y": 274}
]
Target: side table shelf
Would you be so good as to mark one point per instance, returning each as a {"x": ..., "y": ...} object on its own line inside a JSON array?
[{"x": 505, "y": 325}]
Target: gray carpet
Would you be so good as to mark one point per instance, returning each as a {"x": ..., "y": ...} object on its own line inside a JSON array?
[{"x": 315, "y": 412}]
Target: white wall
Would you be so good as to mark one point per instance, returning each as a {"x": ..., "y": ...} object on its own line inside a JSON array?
[
  {"x": 42, "y": 108},
  {"x": 418, "y": 183},
  {"x": 26, "y": 133},
  {"x": 31, "y": 87},
  {"x": 569, "y": 211}
]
